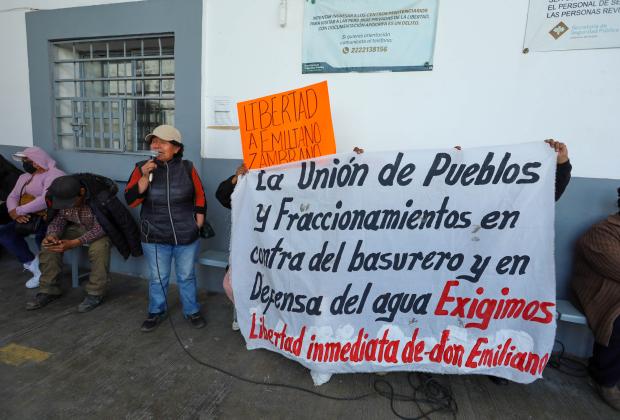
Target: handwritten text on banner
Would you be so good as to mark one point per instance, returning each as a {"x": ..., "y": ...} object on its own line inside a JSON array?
[
  {"x": 437, "y": 261},
  {"x": 286, "y": 127}
]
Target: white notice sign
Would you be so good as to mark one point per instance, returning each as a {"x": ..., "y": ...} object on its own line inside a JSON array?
[{"x": 572, "y": 25}]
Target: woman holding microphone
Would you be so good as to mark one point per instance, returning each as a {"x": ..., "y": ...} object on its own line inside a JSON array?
[{"x": 173, "y": 211}]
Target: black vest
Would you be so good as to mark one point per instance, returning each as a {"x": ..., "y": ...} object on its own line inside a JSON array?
[{"x": 167, "y": 214}]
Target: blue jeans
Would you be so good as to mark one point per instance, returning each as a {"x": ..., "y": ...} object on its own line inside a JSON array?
[
  {"x": 16, "y": 244},
  {"x": 184, "y": 261}
]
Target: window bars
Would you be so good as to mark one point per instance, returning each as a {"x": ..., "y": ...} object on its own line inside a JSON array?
[{"x": 110, "y": 92}]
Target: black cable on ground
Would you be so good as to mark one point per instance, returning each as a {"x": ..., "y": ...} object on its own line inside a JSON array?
[
  {"x": 437, "y": 395},
  {"x": 567, "y": 365}
]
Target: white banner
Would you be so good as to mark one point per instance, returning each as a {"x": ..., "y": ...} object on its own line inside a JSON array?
[
  {"x": 572, "y": 25},
  {"x": 426, "y": 260},
  {"x": 368, "y": 35}
]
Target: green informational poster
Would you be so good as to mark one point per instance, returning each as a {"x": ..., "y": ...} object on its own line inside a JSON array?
[{"x": 368, "y": 35}]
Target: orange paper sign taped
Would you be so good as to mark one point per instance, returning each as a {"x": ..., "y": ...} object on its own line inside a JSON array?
[{"x": 286, "y": 127}]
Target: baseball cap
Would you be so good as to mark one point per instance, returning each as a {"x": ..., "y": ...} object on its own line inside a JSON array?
[
  {"x": 64, "y": 190},
  {"x": 164, "y": 132},
  {"x": 19, "y": 156}
]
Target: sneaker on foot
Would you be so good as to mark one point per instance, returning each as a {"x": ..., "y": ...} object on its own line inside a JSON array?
[
  {"x": 89, "y": 303},
  {"x": 40, "y": 300},
  {"x": 33, "y": 283},
  {"x": 33, "y": 267},
  {"x": 235, "y": 324},
  {"x": 197, "y": 320},
  {"x": 152, "y": 321}
]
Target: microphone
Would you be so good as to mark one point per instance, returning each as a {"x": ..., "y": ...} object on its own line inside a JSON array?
[{"x": 152, "y": 154}]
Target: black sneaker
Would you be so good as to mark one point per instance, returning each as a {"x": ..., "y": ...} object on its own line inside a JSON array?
[
  {"x": 152, "y": 322},
  {"x": 197, "y": 320},
  {"x": 89, "y": 303},
  {"x": 40, "y": 300}
]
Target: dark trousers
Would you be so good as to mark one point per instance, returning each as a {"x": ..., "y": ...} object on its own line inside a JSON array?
[
  {"x": 605, "y": 361},
  {"x": 4, "y": 215},
  {"x": 16, "y": 244}
]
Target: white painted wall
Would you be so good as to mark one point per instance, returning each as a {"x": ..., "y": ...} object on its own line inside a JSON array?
[
  {"x": 482, "y": 91},
  {"x": 15, "y": 118}
]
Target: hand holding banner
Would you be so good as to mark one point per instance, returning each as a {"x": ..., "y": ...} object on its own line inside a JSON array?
[{"x": 435, "y": 261}]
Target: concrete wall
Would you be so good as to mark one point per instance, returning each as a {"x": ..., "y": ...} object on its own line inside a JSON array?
[
  {"x": 482, "y": 90},
  {"x": 14, "y": 83},
  {"x": 181, "y": 17}
]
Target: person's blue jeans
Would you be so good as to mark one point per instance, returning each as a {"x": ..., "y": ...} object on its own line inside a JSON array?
[
  {"x": 161, "y": 256},
  {"x": 16, "y": 244}
]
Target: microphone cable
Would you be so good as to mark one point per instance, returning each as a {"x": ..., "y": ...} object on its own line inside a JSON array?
[{"x": 435, "y": 394}]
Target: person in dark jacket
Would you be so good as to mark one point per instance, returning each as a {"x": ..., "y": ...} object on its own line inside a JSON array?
[
  {"x": 223, "y": 195},
  {"x": 84, "y": 210},
  {"x": 8, "y": 179},
  {"x": 116, "y": 221},
  {"x": 173, "y": 211},
  {"x": 562, "y": 178},
  {"x": 563, "y": 167},
  {"x": 227, "y": 187}
]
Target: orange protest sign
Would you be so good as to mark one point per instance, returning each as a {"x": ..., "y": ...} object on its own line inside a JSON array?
[{"x": 286, "y": 127}]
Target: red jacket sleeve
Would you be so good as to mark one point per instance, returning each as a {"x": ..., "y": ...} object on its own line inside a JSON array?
[
  {"x": 200, "y": 201},
  {"x": 132, "y": 195}
]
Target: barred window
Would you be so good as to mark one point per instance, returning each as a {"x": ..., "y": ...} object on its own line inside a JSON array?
[{"x": 109, "y": 93}]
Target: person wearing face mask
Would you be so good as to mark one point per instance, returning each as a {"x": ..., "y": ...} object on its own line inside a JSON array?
[
  {"x": 172, "y": 214},
  {"x": 26, "y": 199}
]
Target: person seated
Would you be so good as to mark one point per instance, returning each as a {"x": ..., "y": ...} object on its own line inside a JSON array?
[
  {"x": 84, "y": 210},
  {"x": 26, "y": 202},
  {"x": 596, "y": 282}
]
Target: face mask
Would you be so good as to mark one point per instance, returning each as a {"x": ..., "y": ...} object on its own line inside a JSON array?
[{"x": 29, "y": 167}]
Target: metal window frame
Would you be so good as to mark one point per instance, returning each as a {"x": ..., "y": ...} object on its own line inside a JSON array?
[{"x": 133, "y": 88}]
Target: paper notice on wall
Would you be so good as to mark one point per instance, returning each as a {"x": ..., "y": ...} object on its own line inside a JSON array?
[
  {"x": 221, "y": 112},
  {"x": 572, "y": 25},
  {"x": 286, "y": 127},
  {"x": 368, "y": 35},
  {"x": 426, "y": 260}
]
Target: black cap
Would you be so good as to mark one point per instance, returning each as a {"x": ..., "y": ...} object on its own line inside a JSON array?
[{"x": 64, "y": 190}]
